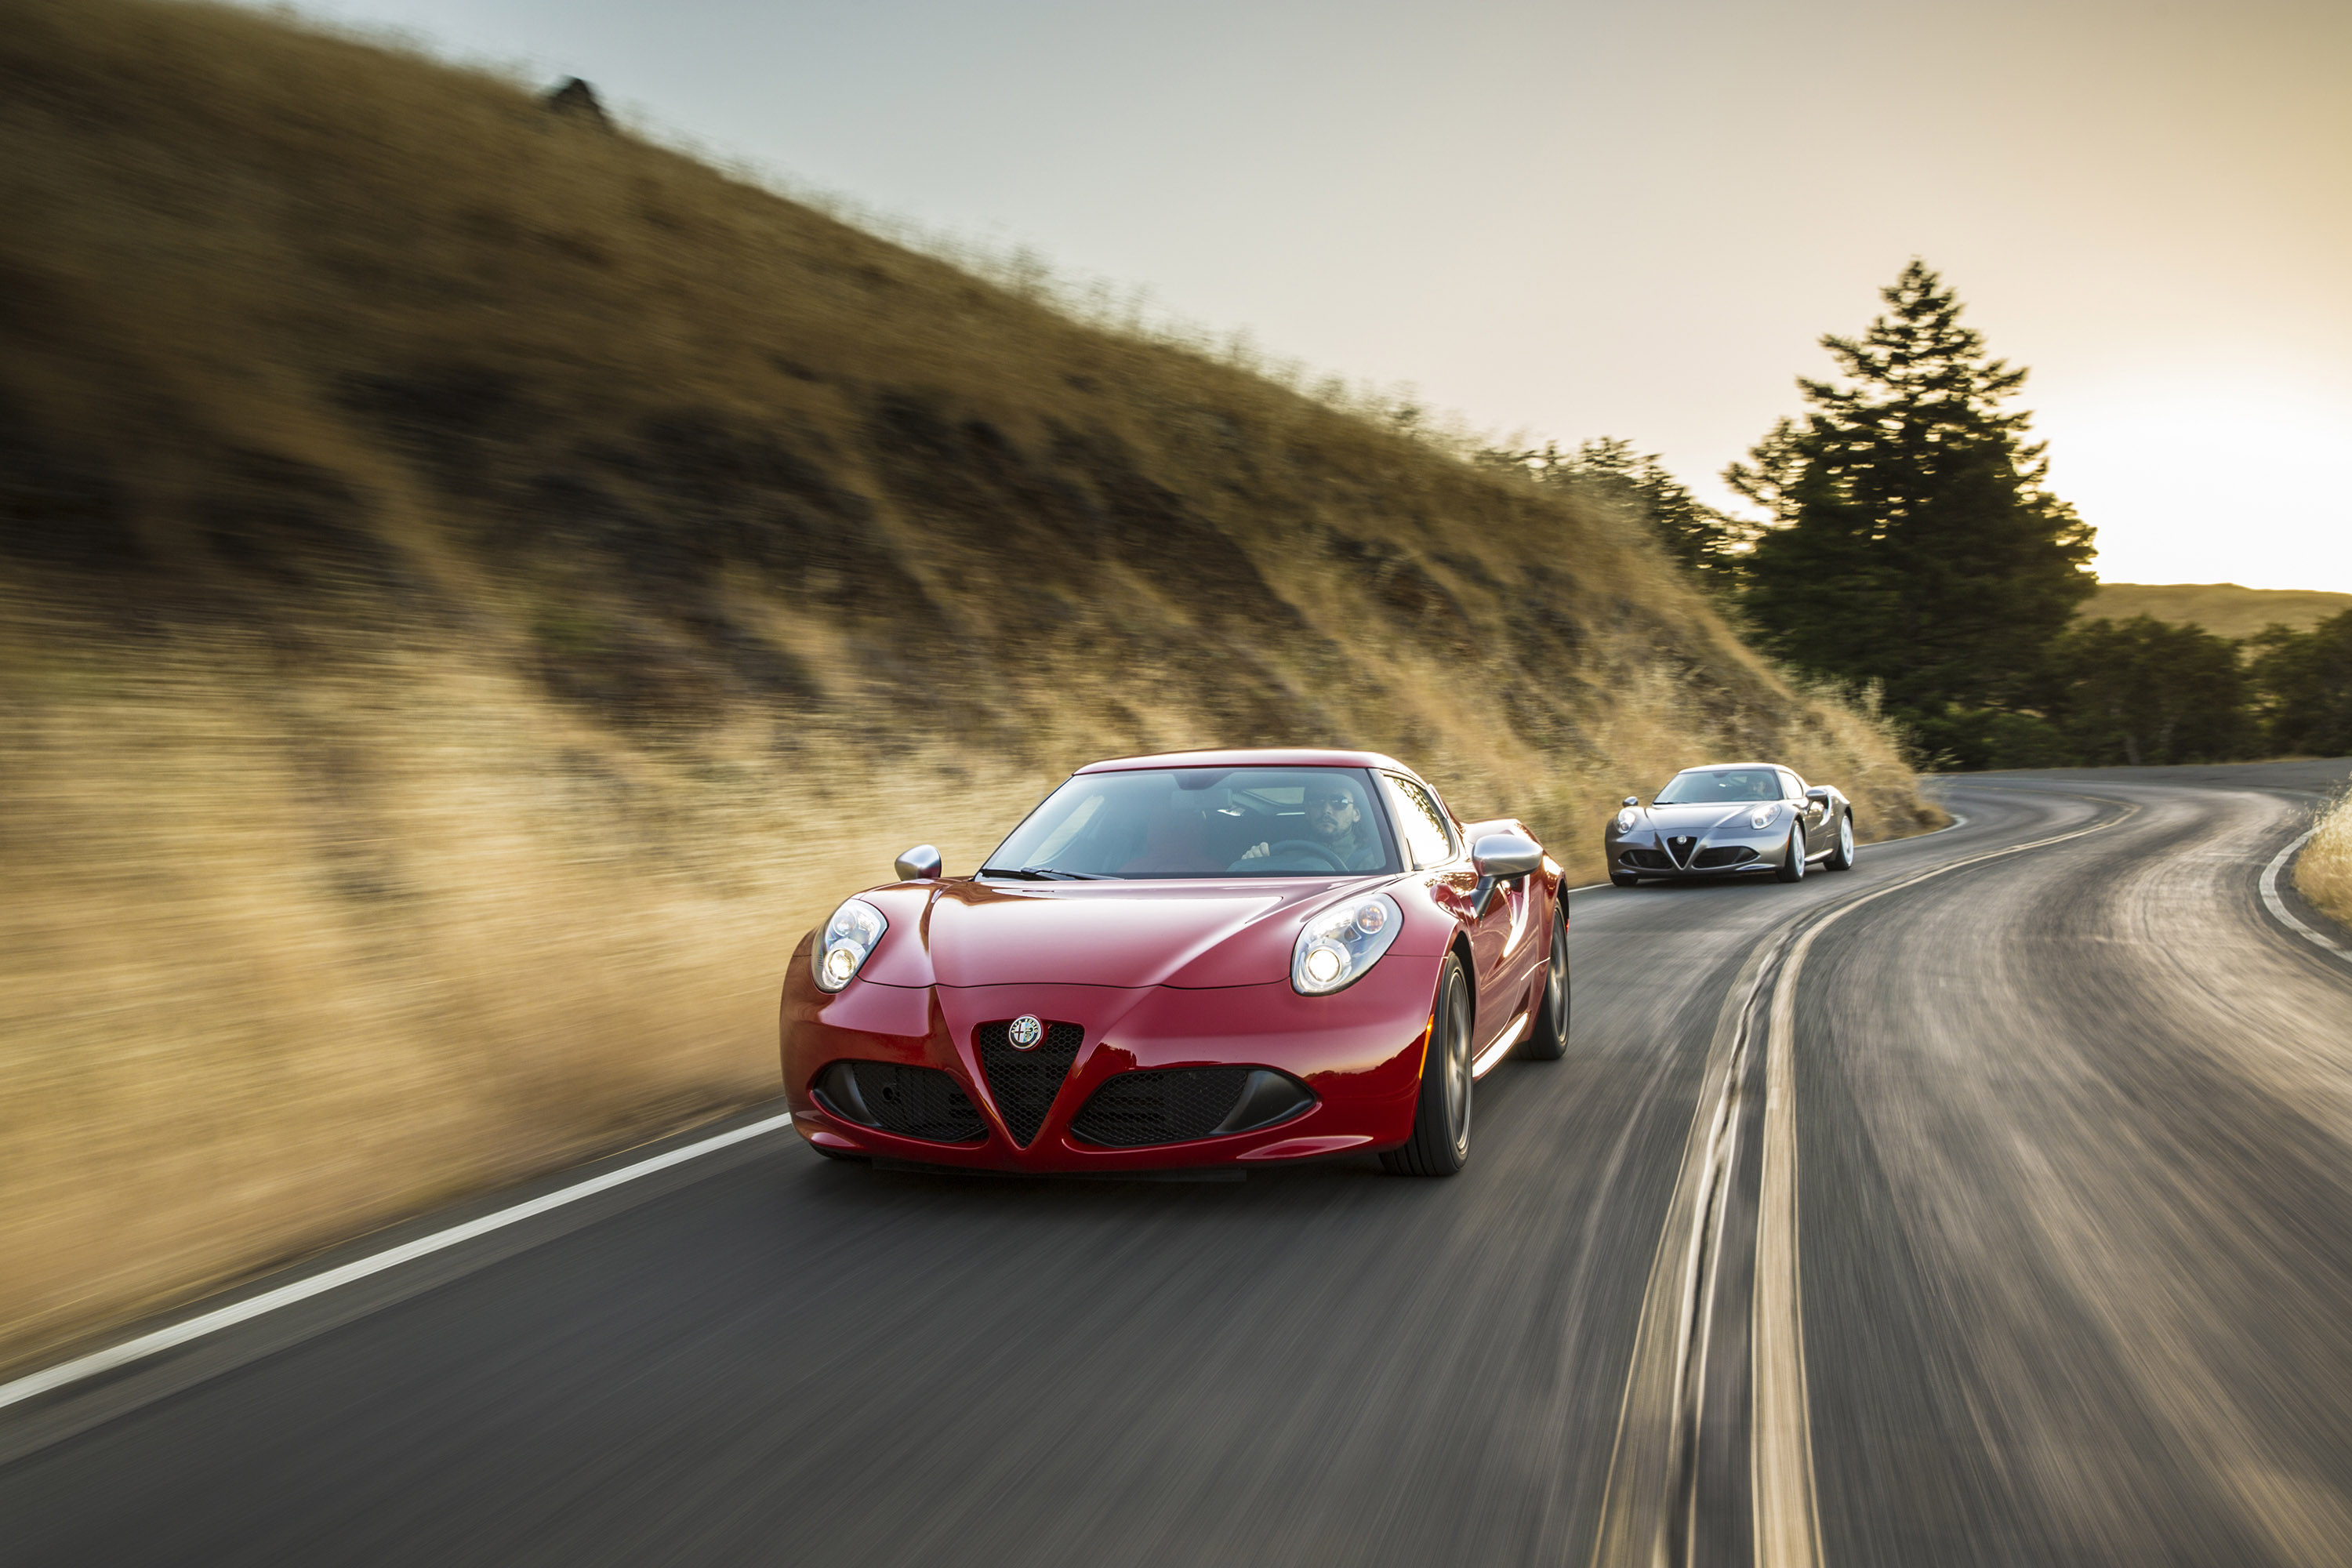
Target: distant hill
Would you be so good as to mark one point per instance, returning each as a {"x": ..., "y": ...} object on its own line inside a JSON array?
[
  {"x": 476, "y": 587},
  {"x": 2222, "y": 608}
]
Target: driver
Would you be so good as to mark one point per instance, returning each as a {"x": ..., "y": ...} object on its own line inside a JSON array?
[{"x": 1334, "y": 822}]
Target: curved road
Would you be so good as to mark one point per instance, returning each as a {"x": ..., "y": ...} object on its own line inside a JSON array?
[{"x": 2005, "y": 1218}]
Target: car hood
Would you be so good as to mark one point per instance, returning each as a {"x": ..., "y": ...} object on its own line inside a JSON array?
[
  {"x": 1698, "y": 820},
  {"x": 1100, "y": 934}
]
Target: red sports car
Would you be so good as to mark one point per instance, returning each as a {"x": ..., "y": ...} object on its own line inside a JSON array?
[{"x": 1205, "y": 958}]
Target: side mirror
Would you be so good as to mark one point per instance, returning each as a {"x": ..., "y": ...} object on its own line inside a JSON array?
[
  {"x": 1818, "y": 795},
  {"x": 1501, "y": 856},
  {"x": 1631, "y": 800},
  {"x": 1505, "y": 855},
  {"x": 919, "y": 864}
]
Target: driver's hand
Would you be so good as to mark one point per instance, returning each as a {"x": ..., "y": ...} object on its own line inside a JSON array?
[{"x": 1255, "y": 850}]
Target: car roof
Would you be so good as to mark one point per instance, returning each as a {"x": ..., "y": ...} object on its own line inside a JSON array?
[
  {"x": 1272, "y": 757},
  {"x": 1712, "y": 767}
]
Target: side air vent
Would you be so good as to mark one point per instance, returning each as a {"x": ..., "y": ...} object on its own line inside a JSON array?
[
  {"x": 1645, "y": 859},
  {"x": 1023, "y": 1083},
  {"x": 1176, "y": 1105},
  {"x": 913, "y": 1103},
  {"x": 1723, "y": 855}
]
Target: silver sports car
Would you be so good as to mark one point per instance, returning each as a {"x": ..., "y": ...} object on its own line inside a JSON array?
[{"x": 1731, "y": 819}]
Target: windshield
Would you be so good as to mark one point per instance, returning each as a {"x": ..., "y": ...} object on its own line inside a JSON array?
[
  {"x": 1726, "y": 786},
  {"x": 1202, "y": 822}
]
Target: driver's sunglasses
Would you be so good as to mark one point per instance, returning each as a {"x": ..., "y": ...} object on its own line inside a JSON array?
[{"x": 1319, "y": 802}]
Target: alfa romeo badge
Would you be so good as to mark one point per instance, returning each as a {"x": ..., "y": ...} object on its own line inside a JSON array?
[{"x": 1024, "y": 1032}]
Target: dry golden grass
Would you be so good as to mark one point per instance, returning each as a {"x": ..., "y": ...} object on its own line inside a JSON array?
[
  {"x": 2323, "y": 873},
  {"x": 478, "y": 586},
  {"x": 273, "y": 970},
  {"x": 2222, "y": 608}
]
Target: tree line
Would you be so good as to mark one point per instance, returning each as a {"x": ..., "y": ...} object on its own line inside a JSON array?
[{"x": 1912, "y": 550}]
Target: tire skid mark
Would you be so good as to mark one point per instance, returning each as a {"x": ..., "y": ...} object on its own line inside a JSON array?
[{"x": 1651, "y": 1504}]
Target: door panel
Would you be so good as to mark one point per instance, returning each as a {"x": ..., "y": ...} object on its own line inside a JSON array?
[{"x": 1508, "y": 942}]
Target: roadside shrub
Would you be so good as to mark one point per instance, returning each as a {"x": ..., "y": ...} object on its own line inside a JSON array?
[{"x": 2323, "y": 873}]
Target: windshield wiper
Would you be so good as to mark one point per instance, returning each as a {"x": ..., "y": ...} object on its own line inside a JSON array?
[{"x": 1045, "y": 874}]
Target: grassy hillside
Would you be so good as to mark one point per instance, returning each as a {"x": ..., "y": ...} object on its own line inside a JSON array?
[
  {"x": 474, "y": 587},
  {"x": 2222, "y": 608}
]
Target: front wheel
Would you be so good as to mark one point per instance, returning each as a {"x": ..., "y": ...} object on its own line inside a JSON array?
[
  {"x": 1440, "y": 1144},
  {"x": 1842, "y": 857},
  {"x": 1547, "y": 1041},
  {"x": 1792, "y": 868}
]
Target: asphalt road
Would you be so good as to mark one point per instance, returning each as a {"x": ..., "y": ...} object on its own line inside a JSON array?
[{"x": 2072, "y": 1233}]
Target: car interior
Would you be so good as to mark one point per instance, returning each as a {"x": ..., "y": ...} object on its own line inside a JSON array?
[
  {"x": 1200, "y": 822},
  {"x": 1727, "y": 786}
]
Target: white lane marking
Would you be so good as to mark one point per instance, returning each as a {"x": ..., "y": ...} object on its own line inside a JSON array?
[
  {"x": 195, "y": 1328},
  {"x": 1781, "y": 1441},
  {"x": 2277, "y": 906}
]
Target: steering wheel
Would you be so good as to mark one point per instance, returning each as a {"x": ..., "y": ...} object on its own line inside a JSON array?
[{"x": 1272, "y": 850}]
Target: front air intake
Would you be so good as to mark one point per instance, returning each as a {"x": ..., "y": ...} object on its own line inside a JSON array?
[
  {"x": 1177, "y": 1105},
  {"x": 911, "y": 1101},
  {"x": 1023, "y": 1083}
]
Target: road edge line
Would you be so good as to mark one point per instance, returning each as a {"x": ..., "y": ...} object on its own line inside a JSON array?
[
  {"x": 140, "y": 1348},
  {"x": 2286, "y": 917}
]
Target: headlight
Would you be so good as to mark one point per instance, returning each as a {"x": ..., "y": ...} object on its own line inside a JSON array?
[
  {"x": 848, "y": 940},
  {"x": 1627, "y": 818},
  {"x": 1338, "y": 945},
  {"x": 1763, "y": 816}
]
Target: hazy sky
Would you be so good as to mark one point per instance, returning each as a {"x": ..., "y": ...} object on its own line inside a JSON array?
[{"x": 1633, "y": 219}]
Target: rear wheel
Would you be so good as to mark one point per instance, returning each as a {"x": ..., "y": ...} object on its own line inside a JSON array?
[
  {"x": 1625, "y": 879},
  {"x": 1842, "y": 857},
  {"x": 1792, "y": 868},
  {"x": 1440, "y": 1144},
  {"x": 1547, "y": 1041}
]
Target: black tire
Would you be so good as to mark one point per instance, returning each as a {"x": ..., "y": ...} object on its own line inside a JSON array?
[
  {"x": 1547, "y": 1041},
  {"x": 1841, "y": 854},
  {"x": 1625, "y": 879},
  {"x": 1792, "y": 868},
  {"x": 1440, "y": 1144}
]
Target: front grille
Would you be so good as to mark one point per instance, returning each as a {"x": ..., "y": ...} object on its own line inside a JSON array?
[
  {"x": 1023, "y": 1083},
  {"x": 1679, "y": 847},
  {"x": 1725, "y": 854},
  {"x": 1164, "y": 1107},
  {"x": 918, "y": 1103},
  {"x": 1646, "y": 860}
]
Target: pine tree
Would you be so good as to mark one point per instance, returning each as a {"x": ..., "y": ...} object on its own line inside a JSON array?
[{"x": 1912, "y": 541}]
